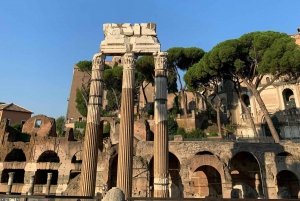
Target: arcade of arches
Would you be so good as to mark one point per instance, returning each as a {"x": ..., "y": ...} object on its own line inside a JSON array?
[{"x": 196, "y": 169}]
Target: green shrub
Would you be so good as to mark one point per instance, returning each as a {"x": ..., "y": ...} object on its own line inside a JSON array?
[
  {"x": 17, "y": 126},
  {"x": 78, "y": 135},
  {"x": 172, "y": 125},
  {"x": 196, "y": 133},
  {"x": 107, "y": 128},
  {"x": 181, "y": 131},
  {"x": 213, "y": 134},
  {"x": 80, "y": 124}
]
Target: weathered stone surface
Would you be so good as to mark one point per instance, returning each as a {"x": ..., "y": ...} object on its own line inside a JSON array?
[
  {"x": 125, "y": 38},
  {"x": 115, "y": 194}
]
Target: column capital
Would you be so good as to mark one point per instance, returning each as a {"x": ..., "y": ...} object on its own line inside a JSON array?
[
  {"x": 11, "y": 174},
  {"x": 49, "y": 176},
  {"x": 129, "y": 60},
  {"x": 160, "y": 59},
  {"x": 98, "y": 60}
]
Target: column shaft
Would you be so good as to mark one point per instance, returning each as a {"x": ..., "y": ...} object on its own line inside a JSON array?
[
  {"x": 48, "y": 184},
  {"x": 161, "y": 149},
  {"x": 125, "y": 154},
  {"x": 91, "y": 142},
  {"x": 31, "y": 185},
  {"x": 11, "y": 176}
]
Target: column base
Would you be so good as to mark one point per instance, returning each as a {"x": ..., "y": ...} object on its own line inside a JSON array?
[{"x": 161, "y": 187}]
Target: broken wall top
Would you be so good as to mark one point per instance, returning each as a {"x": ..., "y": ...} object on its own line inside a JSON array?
[{"x": 123, "y": 38}]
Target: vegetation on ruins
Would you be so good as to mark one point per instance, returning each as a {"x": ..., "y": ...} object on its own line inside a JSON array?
[
  {"x": 17, "y": 126},
  {"x": 247, "y": 60},
  {"x": 60, "y": 126},
  {"x": 183, "y": 58}
]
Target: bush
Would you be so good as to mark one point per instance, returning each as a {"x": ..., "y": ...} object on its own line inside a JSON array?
[
  {"x": 213, "y": 134},
  {"x": 196, "y": 133},
  {"x": 17, "y": 126},
  {"x": 78, "y": 135},
  {"x": 181, "y": 131},
  {"x": 107, "y": 128},
  {"x": 80, "y": 124},
  {"x": 172, "y": 125}
]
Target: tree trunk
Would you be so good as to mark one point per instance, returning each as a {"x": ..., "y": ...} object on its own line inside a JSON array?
[
  {"x": 144, "y": 94},
  {"x": 183, "y": 102},
  {"x": 219, "y": 122},
  {"x": 116, "y": 97},
  {"x": 249, "y": 115},
  {"x": 263, "y": 109},
  {"x": 238, "y": 92}
]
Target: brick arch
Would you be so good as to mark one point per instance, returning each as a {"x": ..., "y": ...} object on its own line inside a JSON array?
[
  {"x": 49, "y": 156},
  {"x": 209, "y": 160},
  {"x": 259, "y": 162}
]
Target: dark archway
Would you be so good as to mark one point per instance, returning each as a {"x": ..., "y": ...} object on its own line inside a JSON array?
[
  {"x": 18, "y": 177},
  {"x": 246, "y": 100},
  {"x": 41, "y": 176},
  {"x": 77, "y": 158},
  {"x": 288, "y": 98},
  {"x": 15, "y": 155},
  {"x": 113, "y": 172},
  {"x": 243, "y": 168},
  {"x": 48, "y": 156},
  {"x": 207, "y": 182},
  {"x": 174, "y": 176},
  {"x": 288, "y": 185}
]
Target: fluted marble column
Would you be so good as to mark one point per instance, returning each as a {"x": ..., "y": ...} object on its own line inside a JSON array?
[
  {"x": 48, "y": 184},
  {"x": 11, "y": 176},
  {"x": 161, "y": 149},
  {"x": 31, "y": 185},
  {"x": 91, "y": 142},
  {"x": 125, "y": 154}
]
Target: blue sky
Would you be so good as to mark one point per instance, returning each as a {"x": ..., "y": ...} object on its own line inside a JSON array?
[{"x": 41, "y": 40}]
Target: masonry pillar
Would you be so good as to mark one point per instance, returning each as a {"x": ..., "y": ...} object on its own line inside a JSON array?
[
  {"x": 10, "y": 182},
  {"x": 90, "y": 148},
  {"x": 161, "y": 149},
  {"x": 31, "y": 185},
  {"x": 48, "y": 184},
  {"x": 125, "y": 154}
]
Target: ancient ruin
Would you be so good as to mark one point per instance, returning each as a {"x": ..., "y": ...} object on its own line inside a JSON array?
[
  {"x": 137, "y": 156},
  {"x": 130, "y": 41}
]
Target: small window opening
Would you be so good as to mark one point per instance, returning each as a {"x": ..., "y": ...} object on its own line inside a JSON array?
[{"x": 37, "y": 123}]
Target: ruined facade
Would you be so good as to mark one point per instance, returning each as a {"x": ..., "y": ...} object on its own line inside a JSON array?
[{"x": 238, "y": 169}]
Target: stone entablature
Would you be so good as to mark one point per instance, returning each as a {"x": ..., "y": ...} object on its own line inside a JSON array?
[{"x": 122, "y": 38}]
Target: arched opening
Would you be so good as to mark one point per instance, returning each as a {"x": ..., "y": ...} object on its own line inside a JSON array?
[
  {"x": 267, "y": 80},
  {"x": 174, "y": 177},
  {"x": 48, "y": 156},
  {"x": 245, "y": 172},
  {"x": 288, "y": 98},
  {"x": 287, "y": 184},
  {"x": 204, "y": 153},
  {"x": 192, "y": 105},
  {"x": 15, "y": 155},
  {"x": 207, "y": 182},
  {"x": 174, "y": 169},
  {"x": 41, "y": 176},
  {"x": 246, "y": 100},
  {"x": 113, "y": 172},
  {"x": 276, "y": 124},
  {"x": 18, "y": 177},
  {"x": 77, "y": 158}
]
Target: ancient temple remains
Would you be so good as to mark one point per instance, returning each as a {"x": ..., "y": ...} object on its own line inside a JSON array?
[{"x": 128, "y": 41}]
